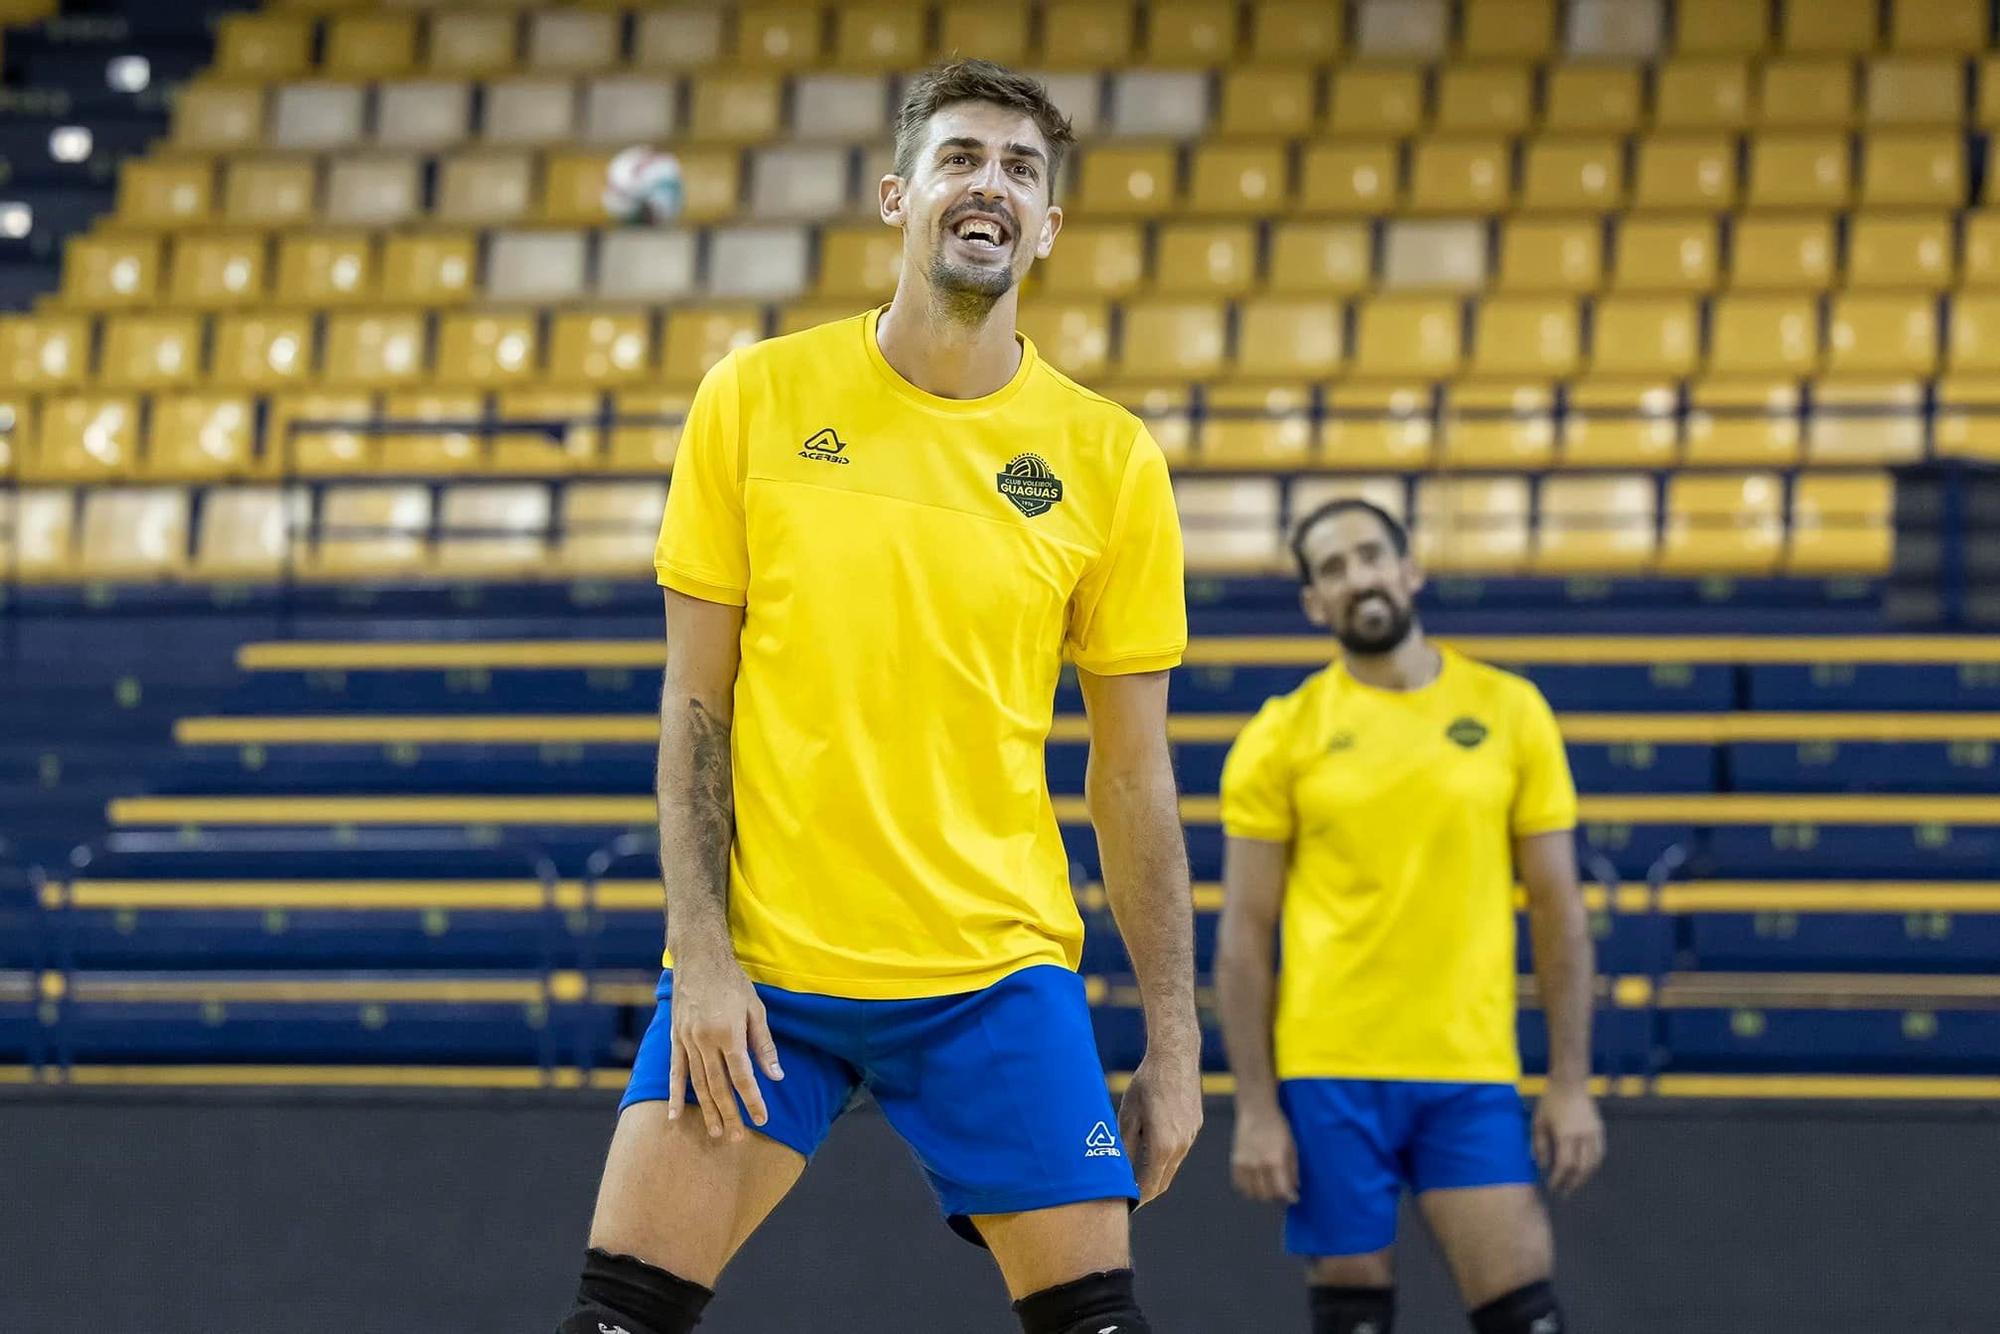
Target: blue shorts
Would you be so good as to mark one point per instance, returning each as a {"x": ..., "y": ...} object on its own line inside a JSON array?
[
  {"x": 998, "y": 1092},
  {"x": 1361, "y": 1142}
]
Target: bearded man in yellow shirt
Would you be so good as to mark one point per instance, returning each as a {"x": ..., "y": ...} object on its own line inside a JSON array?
[
  {"x": 1376, "y": 820},
  {"x": 883, "y": 537}
]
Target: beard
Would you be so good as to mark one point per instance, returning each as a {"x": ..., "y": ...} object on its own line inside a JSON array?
[
  {"x": 1382, "y": 634},
  {"x": 965, "y": 293}
]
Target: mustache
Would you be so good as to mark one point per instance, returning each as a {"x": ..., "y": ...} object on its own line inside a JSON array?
[{"x": 1005, "y": 215}]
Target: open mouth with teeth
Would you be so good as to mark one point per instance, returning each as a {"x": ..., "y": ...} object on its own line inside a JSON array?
[{"x": 981, "y": 232}]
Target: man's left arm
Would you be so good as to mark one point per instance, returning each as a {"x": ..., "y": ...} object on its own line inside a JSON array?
[
  {"x": 1569, "y": 1133},
  {"x": 1135, "y": 808}
]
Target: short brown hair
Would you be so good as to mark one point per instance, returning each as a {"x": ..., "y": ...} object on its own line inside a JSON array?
[{"x": 978, "y": 81}]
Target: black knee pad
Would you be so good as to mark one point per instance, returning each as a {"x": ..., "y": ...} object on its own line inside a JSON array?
[
  {"x": 1098, "y": 1304},
  {"x": 1341, "y": 1310},
  {"x": 623, "y": 1295},
  {"x": 1527, "y": 1310}
]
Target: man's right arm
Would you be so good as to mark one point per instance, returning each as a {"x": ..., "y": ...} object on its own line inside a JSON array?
[
  {"x": 1264, "y": 1159},
  {"x": 718, "y": 1020}
]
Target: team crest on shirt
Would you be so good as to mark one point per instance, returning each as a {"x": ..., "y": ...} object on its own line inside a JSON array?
[
  {"x": 1467, "y": 732},
  {"x": 825, "y": 447},
  {"x": 1030, "y": 486}
]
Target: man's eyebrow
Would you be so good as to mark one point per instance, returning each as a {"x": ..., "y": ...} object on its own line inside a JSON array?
[{"x": 1018, "y": 150}]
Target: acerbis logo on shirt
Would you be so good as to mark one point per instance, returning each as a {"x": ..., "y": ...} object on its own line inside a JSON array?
[{"x": 825, "y": 447}]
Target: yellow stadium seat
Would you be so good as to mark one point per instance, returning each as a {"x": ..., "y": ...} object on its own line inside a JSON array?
[
  {"x": 1551, "y": 254},
  {"x": 1118, "y": 181},
  {"x": 1230, "y": 525},
  {"x": 1883, "y": 333},
  {"x": 1668, "y": 253},
  {"x": 1787, "y": 252},
  {"x": 777, "y": 36},
  {"x": 696, "y": 339},
  {"x": 1379, "y": 425},
  {"x": 1409, "y": 336},
  {"x": 1643, "y": 337},
  {"x": 1967, "y": 427},
  {"x": 1982, "y": 249},
  {"x": 1167, "y": 410},
  {"x": 265, "y": 47},
  {"x": 150, "y": 351},
  {"x": 1975, "y": 333},
  {"x": 1916, "y": 90},
  {"x": 488, "y": 349},
  {"x": 217, "y": 117},
  {"x": 1108, "y": 259},
  {"x": 1937, "y": 25},
  {"x": 485, "y": 188},
  {"x": 1376, "y": 101},
  {"x": 562, "y": 430},
  {"x": 370, "y": 45},
  {"x": 1390, "y": 494},
  {"x": 1581, "y": 175},
  {"x": 578, "y": 40},
  {"x": 711, "y": 183},
  {"x": 17, "y": 437},
  {"x": 1316, "y": 257},
  {"x": 375, "y": 348},
  {"x": 1460, "y": 175},
  {"x": 1508, "y": 29},
  {"x": 326, "y": 268},
  {"x": 588, "y": 348},
  {"x": 1866, "y": 420},
  {"x": 1720, "y": 27},
  {"x": 271, "y": 192},
  {"x": 1914, "y": 167},
  {"x": 471, "y": 42},
  {"x": 996, "y": 31},
  {"x": 487, "y": 529},
  {"x": 133, "y": 534},
  {"x": 1621, "y": 424},
  {"x": 1203, "y": 257},
  {"x": 1484, "y": 99},
  {"x": 1497, "y": 424},
  {"x": 573, "y": 187},
  {"x": 1240, "y": 178},
  {"x": 1526, "y": 337},
  {"x": 647, "y": 431},
  {"x": 429, "y": 432},
  {"x": 1292, "y": 338},
  {"x": 262, "y": 350},
  {"x": 1165, "y": 336},
  {"x": 1087, "y": 34},
  {"x": 378, "y": 531},
  {"x": 1895, "y": 250},
  {"x": 1472, "y": 525},
  {"x": 305, "y": 432},
  {"x": 1813, "y": 92},
  {"x": 111, "y": 271},
  {"x": 1191, "y": 32},
  {"x": 92, "y": 437},
  {"x": 736, "y": 107},
  {"x": 1842, "y": 523},
  {"x": 44, "y": 352},
  {"x": 202, "y": 437},
  {"x": 1723, "y": 523},
  {"x": 608, "y": 529},
  {"x": 1304, "y": 32},
  {"x": 1764, "y": 335},
  {"x": 1840, "y": 27},
  {"x": 1692, "y": 171},
  {"x": 220, "y": 270},
  {"x": 1270, "y": 100},
  {"x": 1591, "y": 98},
  {"x": 165, "y": 192},
  {"x": 1597, "y": 525},
  {"x": 248, "y": 533},
  {"x": 878, "y": 36},
  {"x": 1349, "y": 178},
  {"x": 430, "y": 268},
  {"x": 1703, "y": 93},
  {"x": 862, "y": 261},
  {"x": 1803, "y": 169},
  {"x": 1743, "y": 422},
  {"x": 1257, "y": 427},
  {"x": 1073, "y": 335}
]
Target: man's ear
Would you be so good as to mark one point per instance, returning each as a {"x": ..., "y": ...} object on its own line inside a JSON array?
[
  {"x": 1315, "y": 610},
  {"x": 894, "y": 197},
  {"x": 1413, "y": 575},
  {"x": 1052, "y": 223}
]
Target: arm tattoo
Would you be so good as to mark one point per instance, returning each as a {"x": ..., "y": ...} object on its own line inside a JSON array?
[{"x": 711, "y": 799}]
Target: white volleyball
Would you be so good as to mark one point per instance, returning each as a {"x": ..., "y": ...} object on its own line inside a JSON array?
[{"x": 643, "y": 185}]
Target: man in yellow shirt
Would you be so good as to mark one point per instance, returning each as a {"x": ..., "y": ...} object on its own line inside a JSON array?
[
  {"x": 883, "y": 537},
  {"x": 1376, "y": 820}
]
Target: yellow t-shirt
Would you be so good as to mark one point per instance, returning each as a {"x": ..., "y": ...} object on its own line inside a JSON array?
[
  {"x": 912, "y": 570},
  {"x": 1401, "y": 807}
]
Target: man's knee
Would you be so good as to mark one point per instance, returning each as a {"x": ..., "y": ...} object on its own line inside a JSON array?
[
  {"x": 623, "y": 1295},
  {"x": 1097, "y": 1304},
  {"x": 1530, "y": 1309}
]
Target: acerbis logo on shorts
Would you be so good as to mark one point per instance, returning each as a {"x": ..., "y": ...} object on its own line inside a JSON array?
[{"x": 1101, "y": 1143}]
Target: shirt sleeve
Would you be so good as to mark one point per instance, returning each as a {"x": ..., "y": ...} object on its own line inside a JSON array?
[
  {"x": 703, "y": 551},
  {"x": 1545, "y": 795},
  {"x": 1129, "y": 613},
  {"x": 1257, "y": 780}
]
